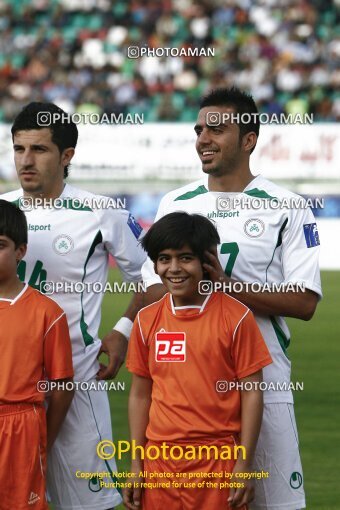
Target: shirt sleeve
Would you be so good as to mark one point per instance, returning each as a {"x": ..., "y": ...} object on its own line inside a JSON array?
[
  {"x": 121, "y": 236},
  {"x": 57, "y": 350},
  {"x": 301, "y": 250},
  {"x": 249, "y": 349},
  {"x": 148, "y": 273},
  {"x": 138, "y": 352}
]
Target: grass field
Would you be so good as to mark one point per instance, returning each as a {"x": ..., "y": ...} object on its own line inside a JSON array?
[{"x": 315, "y": 354}]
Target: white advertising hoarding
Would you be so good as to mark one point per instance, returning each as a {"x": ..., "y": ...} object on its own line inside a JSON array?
[{"x": 167, "y": 151}]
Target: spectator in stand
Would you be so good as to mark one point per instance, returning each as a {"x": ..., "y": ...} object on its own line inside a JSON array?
[{"x": 74, "y": 53}]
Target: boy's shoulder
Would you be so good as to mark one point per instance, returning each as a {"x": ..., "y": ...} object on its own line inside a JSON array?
[
  {"x": 153, "y": 309},
  {"x": 227, "y": 309},
  {"x": 43, "y": 303},
  {"x": 231, "y": 303}
]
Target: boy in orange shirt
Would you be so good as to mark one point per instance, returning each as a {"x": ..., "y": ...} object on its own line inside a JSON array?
[
  {"x": 184, "y": 350},
  {"x": 35, "y": 346}
]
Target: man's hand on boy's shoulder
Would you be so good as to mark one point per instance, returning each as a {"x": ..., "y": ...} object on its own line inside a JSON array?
[{"x": 114, "y": 345}]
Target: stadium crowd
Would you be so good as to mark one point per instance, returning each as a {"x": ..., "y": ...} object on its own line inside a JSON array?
[{"x": 74, "y": 53}]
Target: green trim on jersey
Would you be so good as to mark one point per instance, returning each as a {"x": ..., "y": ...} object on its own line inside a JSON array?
[
  {"x": 16, "y": 202},
  {"x": 283, "y": 340},
  {"x": 278, "y": 243},
  {"x": 69, "y": 204},
  {"x": 259, "y": 193},
  {"x": 113, "y": 477},
  {"x": 88, "y": 339},
  {"x": 255, "y": 192},
  {"x": 191, "y": 194}
]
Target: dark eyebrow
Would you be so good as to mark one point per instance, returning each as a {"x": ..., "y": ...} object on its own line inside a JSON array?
[
  {"x": 33, "y": 146},
  {"x": 39, "y": 146},
  {"x": 222, "y": 125}
]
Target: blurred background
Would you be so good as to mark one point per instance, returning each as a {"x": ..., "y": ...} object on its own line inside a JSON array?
[
  {"x": 285, "y": 53},
  {"x": 73, "y": 52}
]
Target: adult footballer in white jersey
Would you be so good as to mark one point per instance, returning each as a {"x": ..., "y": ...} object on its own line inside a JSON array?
[
  {"x": 71, "y": 243},
  {"x": 263, "y": 240}
]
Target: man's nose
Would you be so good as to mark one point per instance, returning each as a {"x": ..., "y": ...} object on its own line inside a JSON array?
[
  {"x": 27, "y": 159},
  {"x": 204, "y": 137}
]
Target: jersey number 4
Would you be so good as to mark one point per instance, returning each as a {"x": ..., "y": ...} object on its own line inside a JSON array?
[
  {"x": 233, "y": 250},
  {"x": 38, "y": 275}
]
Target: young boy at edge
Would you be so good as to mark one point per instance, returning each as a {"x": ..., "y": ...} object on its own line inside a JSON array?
[{"x": 35, "y": 346}]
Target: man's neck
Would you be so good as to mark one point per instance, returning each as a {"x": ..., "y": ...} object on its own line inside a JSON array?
[
  {"x": 10, "y": 289},
  {"x": 46, "y": 195},
  {"x": 231, "y": 183}
]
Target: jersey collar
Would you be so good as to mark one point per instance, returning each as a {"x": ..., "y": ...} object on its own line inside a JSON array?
[
  {"x": 17, "y": 297},
  {"x": 200, "y": 308},
  {"x": 249, "y": 186}
]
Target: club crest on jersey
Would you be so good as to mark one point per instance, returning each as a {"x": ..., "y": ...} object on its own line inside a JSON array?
[
  {"x": 254, "y": 227},
  {"x": 170, "y": 346},
  {"x": 62, "y": 244},
  {"x": 311, "y": 235}
]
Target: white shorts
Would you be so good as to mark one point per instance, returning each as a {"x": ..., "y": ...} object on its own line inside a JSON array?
[
  {"x": 278, "y": 453},
  {"x": 88, "y": 421}
]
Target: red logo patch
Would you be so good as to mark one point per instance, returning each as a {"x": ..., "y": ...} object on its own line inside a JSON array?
[{"x": 170, "y": 346}]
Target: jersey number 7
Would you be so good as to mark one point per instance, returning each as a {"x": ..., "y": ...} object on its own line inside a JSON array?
[{"x": 233, "y": 250}]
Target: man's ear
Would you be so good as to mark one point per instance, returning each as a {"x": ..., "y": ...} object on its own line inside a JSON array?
[
  {"x": 155, "y": 267},
  {"x": 67, "y": 155},
  {"x": 249, "y": 141},
  {"x": 20, "y": 252}
]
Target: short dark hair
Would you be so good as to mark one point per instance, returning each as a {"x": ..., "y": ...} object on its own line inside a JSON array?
[
  {"x": 242, "y": 102},
  {"x": 13, "y": 223},
  {"x": 176, "y": 229},
  {"x": 64, "y": 132}
]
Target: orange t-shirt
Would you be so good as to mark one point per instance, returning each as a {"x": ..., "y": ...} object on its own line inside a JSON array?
[
  {"x": 34, "y": 345},
  {"x": 186, "y": 351}
]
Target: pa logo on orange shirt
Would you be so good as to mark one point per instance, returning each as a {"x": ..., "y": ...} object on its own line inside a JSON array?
[{"x": 170, "y": 346}]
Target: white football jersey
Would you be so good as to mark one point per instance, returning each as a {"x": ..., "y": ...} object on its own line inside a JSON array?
[
  {"x": 72, "y": 244},
  {"x": 262, "y": 241}
]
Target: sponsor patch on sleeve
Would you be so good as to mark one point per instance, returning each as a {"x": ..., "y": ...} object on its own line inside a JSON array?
[
  {"x": 135, "y": 227},
  {"x": 311, "y": 235}
]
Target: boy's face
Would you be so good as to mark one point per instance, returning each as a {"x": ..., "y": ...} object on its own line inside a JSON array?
[
  {"x": 181, "y": 271},
  {"x": 9, "y": 256}
]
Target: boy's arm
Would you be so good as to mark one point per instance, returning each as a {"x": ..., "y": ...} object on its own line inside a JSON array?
[
  {"x": 59, "y": 369},
  {"x": 59, "y": 402},
  {"x": 251, "y": 418},
  {"x": 139, "y": 407}
]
